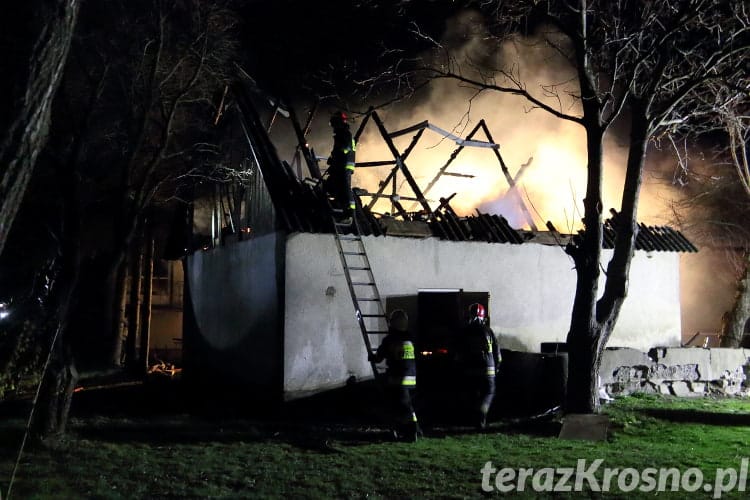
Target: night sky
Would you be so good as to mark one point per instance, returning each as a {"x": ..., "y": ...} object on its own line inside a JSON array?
[{"x": 293, "y": 45}]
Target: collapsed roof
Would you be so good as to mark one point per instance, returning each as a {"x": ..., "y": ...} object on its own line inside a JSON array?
[{"x": 300, "y": 205}]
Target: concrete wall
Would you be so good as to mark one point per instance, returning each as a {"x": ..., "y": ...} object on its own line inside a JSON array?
[
  {"x": 677, "y": 371},
  {"x": 235, "y": 293},
  {"x": 531, "y": 293}
]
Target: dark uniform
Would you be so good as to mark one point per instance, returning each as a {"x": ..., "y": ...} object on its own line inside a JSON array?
[
  {"x": 479, "y": 359},
  {"x": 341, "y": 165},
  {"x": 401, "y": 379}
]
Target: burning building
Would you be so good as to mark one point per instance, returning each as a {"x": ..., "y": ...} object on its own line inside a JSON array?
[{"x": 275, "y": 300}]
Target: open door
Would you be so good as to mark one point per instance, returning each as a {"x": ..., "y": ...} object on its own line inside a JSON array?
[{"x": 442, "y": 315}]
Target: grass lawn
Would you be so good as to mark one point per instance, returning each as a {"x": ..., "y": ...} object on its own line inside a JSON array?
[{"x": 185, "y": 456}]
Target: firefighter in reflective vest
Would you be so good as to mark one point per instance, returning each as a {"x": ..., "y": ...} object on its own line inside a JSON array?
[
  {"x": 401, "y": 373},
  {"x": 479, "y": 358},
  {"x": 338, "y": 184}
]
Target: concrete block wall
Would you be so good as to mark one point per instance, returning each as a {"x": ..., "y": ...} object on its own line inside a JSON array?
[{"x": 678, "y": 371}]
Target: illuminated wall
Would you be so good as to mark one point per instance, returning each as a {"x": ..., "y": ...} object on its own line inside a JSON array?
[
  {"x": 274, "y": 312},
  {"x": 531, "y": 290}
]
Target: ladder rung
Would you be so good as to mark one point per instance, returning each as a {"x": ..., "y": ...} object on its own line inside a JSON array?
[{"x": 350, "y": 232}]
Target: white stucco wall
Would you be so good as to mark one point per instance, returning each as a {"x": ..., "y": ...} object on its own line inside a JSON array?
[
  {"x": 234, "y": 298},
  {"x": 531, "y": 292}
]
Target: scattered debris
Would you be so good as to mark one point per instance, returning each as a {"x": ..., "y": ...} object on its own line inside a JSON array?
[
  {"x": 163, "y": 369},
  {"x": 676, "y": 371}
]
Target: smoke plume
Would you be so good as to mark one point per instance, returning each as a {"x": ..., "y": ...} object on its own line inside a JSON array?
[{"x": 553, "y": 184}]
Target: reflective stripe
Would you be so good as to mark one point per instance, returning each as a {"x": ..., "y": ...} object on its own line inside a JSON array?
[
  {"x": 350, "y": 166},
  {"x": 352, "y": 206},
  {"x": 490, "y": 369},
  {"x": 407, "y": 350},
  {"x": 354, "y": 145},
  {"x": 409, "y": 380},
  {"x": 413, "y": 417}
]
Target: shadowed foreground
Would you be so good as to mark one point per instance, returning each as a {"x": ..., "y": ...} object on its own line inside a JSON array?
[{"x": 146, "y": 441}]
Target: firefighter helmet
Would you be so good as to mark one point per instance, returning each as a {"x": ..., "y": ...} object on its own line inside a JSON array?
[
  {"x": 338, "y": 118},
  {"x": 399, "y": 320},
  {"x": 477, "y": 312}
]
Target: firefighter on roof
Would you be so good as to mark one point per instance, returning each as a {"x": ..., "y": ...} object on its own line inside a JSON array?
[
  {"x": 479, "y": 358},
  {"x": 401, "y": 374},
  {"x": 341, "y": 166}
]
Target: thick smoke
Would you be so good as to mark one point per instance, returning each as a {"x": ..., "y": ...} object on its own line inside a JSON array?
[
  {"x": 553, "y": 185},
  {"x": 706, "y": 289}
]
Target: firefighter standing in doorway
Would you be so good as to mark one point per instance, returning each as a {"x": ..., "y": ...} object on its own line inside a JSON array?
[
  {"x": 479, "y": 358},
  {"x": 401, "y": 374},
  {"x": 341, "y": 167}
]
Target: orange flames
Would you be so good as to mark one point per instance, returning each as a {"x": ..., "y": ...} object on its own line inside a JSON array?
[{"x": 552, "y": 186}]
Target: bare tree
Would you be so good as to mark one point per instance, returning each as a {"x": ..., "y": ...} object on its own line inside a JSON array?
[
  {"x": 735, "y": 321},
  {"x": 737, "y": 123},
  {"x": 733, "y": 115},
  {"x": 61, "y": 376},
  {"x": 168, "y": 61},
  {"x": 34, "y": 74},
  {"x": 715, "y": 208},
  {"x": 658, "y": 66},
  {"x": 141, "y": 104}
]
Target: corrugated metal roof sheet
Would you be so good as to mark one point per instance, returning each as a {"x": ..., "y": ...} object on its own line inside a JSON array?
[{"x": 650, "y": 238}]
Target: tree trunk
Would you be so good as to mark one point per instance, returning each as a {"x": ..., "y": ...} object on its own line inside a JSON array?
[
  {"x": 148, "y": 274},
  {"x": 583, "y": 363},
  {"x": 127, "y": 228},
  {"x": 734, "y": 321},
  {"x": 113, "y": 302},
  {"x": 134, "y": 301},
  {"x": 115, "y": 284},
  {"x": 594, "y": 320},
  {"x": 584, "y": 359},
  {"x": 121, "y": 299},
  {"x": 60, "y": 378},
  {"x": 35, "y": 73},
  {"x": 56, "y": 395}
]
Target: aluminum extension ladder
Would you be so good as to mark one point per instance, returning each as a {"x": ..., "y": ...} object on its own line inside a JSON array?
[{"x": 368, "y": 306}]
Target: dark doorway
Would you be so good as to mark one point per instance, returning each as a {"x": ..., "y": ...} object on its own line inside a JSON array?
[{"x": 442, "y": 315}]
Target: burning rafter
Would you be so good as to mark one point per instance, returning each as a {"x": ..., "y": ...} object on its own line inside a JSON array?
[
  {"x": 301, "y": 205},
  {"x": 399, "y": 160}
]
